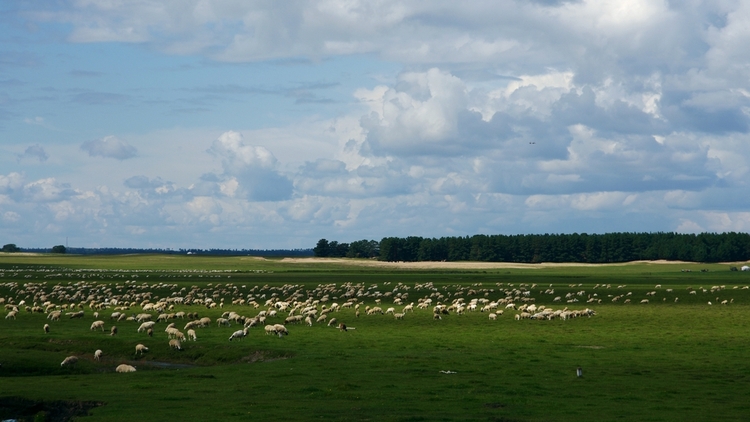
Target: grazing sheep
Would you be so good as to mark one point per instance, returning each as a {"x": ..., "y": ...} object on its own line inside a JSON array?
[
  {"x": 175, "y": 344},
  {"x": 398, "y": 315},
  {"x": 191, "y": 335},
  {"x": 280, "y": 330},
  {"x": 270, "y": 329},
  {"x": 644, "y": 301},
  {"x": 140, "y": 349},
  {"x": 150, "y": 332},
  {"x": 97, "y": 325},
  {"x": 11, "y": 315},
  {"x": 145, "y": 326},
  {"x": 332, "y": 322},
  {"x": 78, "y": 314},
  {"x": 124, "y": 368},
  {"x": 46, "y": 328},
  {"x": 98, "y": 355},
  {"x": 239, "y": 334},
  {"x": 113, "y": 330},
  {"x": 493, "y": 316},
  {"x": 69, "y": 361}
]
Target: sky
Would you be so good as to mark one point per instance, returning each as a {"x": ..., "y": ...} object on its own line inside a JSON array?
[{"x": 267, "y": 124}]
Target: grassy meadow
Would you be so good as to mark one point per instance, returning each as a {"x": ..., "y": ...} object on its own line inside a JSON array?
[{"x": 661, "y": 361}]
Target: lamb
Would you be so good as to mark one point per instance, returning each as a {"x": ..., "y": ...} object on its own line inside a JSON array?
[
  {"x": 69, "y": 361},
  {"x": 98, "y": 355},
  {"x": 140, "y": 349},
  {"x": 175, "y": 344},
  {"x": 124, "y": 368},
  {"x": 239, "y": 334},
  {"x": 46, "y": 328},
  {"x": 97, "y": 325},
  {"x": 493, "y": 316},
  {"x": 399, "y": 315},
  {"x": 191, "y": 335}
]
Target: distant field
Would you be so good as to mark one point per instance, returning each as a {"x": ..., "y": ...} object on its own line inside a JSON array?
[{"x": 665, "y": 360}]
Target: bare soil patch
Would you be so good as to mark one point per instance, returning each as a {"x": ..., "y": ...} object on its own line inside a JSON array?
[{"x": 456, "y": 265}]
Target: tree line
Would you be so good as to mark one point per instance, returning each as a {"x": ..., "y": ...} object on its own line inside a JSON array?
[{"x": 532, "y": 248}]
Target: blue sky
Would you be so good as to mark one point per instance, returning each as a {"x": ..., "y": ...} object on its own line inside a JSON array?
[{"x": 261, "y": 124}]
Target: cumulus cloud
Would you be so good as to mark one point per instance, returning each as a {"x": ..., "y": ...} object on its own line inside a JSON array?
[
  {"x": 250, "y": 171},
  {"x": 109, "y": 147}
]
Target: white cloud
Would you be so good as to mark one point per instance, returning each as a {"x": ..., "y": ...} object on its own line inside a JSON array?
[{"x": 250, "y": 170}]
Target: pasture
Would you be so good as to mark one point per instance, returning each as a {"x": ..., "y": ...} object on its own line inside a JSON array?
[{"x": 661, "y": 361}]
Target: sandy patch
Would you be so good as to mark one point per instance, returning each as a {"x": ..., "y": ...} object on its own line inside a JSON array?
[{"x": 461, "y": 265}]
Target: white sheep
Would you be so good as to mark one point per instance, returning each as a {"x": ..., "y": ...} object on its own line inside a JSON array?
[
  {"x": 191, "y": 335},
  {"x": 280, "y": 330},
  {"x": 46, "y": 328},
  {"x": 140, "y": 349},
  {"x": 124, "y": 368},
  {"x": 69, "y": 361},
  {"x": 97, "y": 325},
  {"x": 98, "y": 355},
  {"x": 145, "y": 326},
  {"x": 175, "y": 344},
  {"x": 239, "y": 334},
  {"x": 113, "y": 330},
  {"x": 493, "y": 316}
]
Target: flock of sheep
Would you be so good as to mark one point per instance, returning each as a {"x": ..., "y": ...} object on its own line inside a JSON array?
[{"x": 167, "y": 309}]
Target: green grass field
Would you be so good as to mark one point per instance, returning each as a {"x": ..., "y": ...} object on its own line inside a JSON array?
[{"x": 660, "y": 361}]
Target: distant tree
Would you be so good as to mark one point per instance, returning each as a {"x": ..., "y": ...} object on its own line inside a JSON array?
[
  {"x": 59, "y": 249},
  {"x": 322, "y": 249},
  {"x": 11, "y": 247},
  {"x": 363, "y": 249}
]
